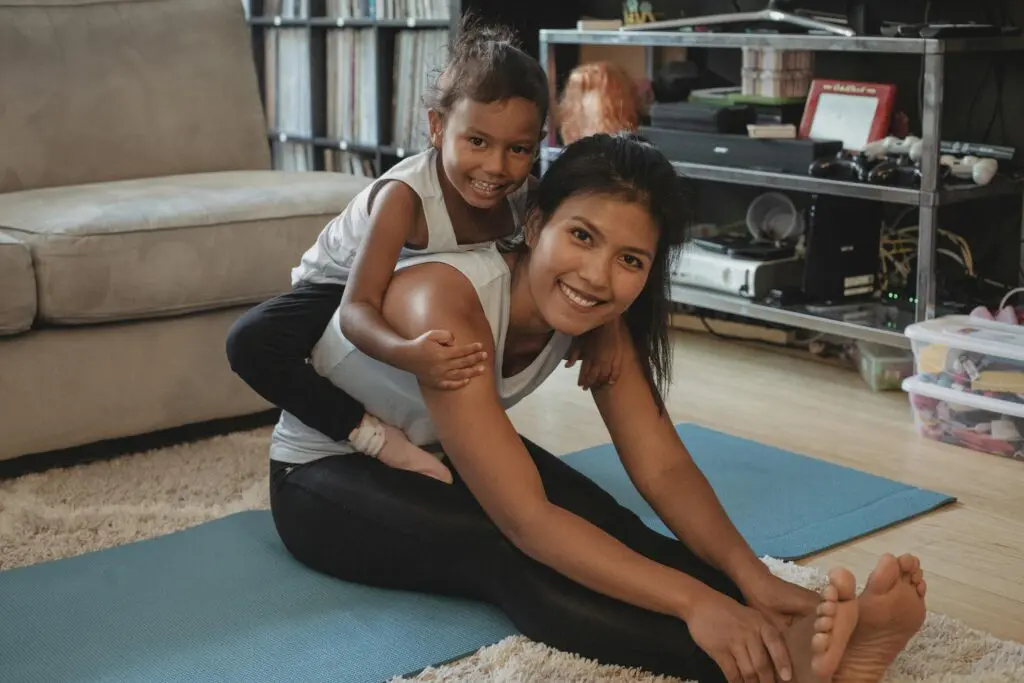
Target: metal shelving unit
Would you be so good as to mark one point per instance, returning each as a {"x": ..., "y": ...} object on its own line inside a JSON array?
[{"x": 870, "y": 322}]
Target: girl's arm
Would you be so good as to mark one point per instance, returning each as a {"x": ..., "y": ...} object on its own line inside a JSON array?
[
  {"x": 393, "y": 218},
  {"x": 432, "y": 355},
  {"x": 488, "y": 453},
  {"x": 666, "y": 476}
]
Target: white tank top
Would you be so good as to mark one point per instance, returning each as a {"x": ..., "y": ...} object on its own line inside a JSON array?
[
  {"x": 393, "y": 395},
  {"x": 330, "y": 258}
]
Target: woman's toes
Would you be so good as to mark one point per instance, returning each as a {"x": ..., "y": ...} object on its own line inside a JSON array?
[
  {"x": 823, "y": 624},
  {"x": 827, "y": 609},
  {"x": 909, "y": 563},
  {"x": 819, "y": 643}
]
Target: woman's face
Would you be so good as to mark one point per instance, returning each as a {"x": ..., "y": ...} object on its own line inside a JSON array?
[{"x": 590, "y": 261}]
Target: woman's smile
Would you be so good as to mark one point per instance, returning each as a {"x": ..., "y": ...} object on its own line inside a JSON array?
[{"x": 578, "y": 298}]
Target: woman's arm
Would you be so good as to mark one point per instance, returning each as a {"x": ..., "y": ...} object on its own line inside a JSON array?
[
  {"x": 488, "y": 453},
  {"x": 666, "y": 476}
]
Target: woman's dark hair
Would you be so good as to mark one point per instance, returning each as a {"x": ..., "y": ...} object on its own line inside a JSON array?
[
  {"x": 485, "y": 64},
  {"x": 628, "y": 167}
]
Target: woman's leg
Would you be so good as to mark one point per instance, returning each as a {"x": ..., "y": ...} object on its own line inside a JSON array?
[
  {"x": 572, "y": 490},
  {"x": 268, "y": 348},
  {"x": 358, "y": 520}
]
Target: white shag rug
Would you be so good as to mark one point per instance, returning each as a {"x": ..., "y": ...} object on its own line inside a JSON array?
[
  {"x": 66, "y": 512},
  {"x": 944, "y": 651}
]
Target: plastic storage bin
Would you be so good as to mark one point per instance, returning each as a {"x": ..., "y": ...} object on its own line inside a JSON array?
[
  {"x": 970, "y": 355},
  {"x": 884, "y": 367},
  {"x": 970, "y": 420}
]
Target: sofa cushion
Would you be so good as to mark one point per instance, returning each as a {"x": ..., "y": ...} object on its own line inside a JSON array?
[
  {"x": 96, "y": 91},
  {"x": 145, "y": 248},
  {"x": 17, "y": 286}
]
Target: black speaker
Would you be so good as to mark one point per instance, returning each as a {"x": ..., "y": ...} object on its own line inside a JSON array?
[{"x": 842, "y": 258}]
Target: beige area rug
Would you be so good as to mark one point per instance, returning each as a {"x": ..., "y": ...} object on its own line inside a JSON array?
[{"x": 66, "y": 512}]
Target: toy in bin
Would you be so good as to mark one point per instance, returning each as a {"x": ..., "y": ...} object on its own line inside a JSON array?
[
  {"x": 972, "y": 355},
  {"x": 977, "y": 422}
]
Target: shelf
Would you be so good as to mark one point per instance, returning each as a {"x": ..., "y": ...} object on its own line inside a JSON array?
[
  {"x": 870, "y": 322},
  {"x": 836, "y": 188},
  {"x": 349, "y": 22},
  {"x": 344, "y": 145},
  {"x": 400, "y": 152},
  {"x": 785, "y": 181},
  {"x": 818, "y": 43},
  {"x": 999, "y": 187},
  {"x": 797, "y": 183}
]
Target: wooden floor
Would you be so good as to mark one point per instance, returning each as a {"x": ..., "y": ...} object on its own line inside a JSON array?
[{"x": 973, "y": 552}]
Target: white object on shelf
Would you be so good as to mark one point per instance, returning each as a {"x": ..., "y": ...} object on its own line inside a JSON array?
[{"x": 980, "y": 423}]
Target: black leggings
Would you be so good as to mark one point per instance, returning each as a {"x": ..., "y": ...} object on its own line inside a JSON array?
[
  {"x": 268, "y": 348},
  {"x": 356, "y": 519}
]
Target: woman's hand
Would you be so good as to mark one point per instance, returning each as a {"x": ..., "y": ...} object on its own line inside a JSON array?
[
  {"x": 781, "y": 602},
  {"x": 601, "y": 350},
  {"x": 746, "y": 647}
]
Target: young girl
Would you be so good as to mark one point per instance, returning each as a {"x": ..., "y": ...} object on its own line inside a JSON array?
[{"x": 468, "y": 189}]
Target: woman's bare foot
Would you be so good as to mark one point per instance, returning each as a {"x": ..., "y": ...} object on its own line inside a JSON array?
[
  {"x": 400, "y": 453},
  {"x": 890, "y": 611},
  {"x": 837, "y": 618}
]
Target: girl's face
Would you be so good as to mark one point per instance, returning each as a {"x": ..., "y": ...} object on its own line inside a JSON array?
[
  {"x": 590, "y": 261},
  {"x": 487, "y": 150}
]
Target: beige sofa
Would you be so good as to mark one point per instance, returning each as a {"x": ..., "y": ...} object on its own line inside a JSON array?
[{"x": 139, "y": 216}]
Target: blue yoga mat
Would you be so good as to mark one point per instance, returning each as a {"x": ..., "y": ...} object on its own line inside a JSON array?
[
  {"x": 224, "y": 601},
  {"x": 785, "y": 505}
]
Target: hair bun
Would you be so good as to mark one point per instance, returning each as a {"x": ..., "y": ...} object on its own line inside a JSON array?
[{"x": 474, "y": 32}]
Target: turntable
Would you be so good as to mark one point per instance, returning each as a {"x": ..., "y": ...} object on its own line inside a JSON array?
[{"x": 750, "y": 265}]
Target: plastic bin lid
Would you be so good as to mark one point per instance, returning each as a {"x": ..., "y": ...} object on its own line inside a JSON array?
[
  {"x": 988, "y": 337},
  {"x": 914, "y": 385}
]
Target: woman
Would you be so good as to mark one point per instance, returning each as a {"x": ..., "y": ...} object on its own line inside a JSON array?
[{"x": 521, "y": 529}]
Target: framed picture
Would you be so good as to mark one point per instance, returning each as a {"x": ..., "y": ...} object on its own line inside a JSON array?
[{"x": 854, "y": 112}]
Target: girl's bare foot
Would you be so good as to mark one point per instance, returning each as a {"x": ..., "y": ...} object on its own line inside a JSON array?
[
  {"x": 890, "y": 611},
  {"x": 400, "y": 453},
  {"x": 836, "y": 620}
]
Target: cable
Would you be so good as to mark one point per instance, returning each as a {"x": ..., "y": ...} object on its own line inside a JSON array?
[{"x": 1015, "y": 290}]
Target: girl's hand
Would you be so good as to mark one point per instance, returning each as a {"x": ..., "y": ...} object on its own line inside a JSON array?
[
  {"x": 601, "y": 351},
  {"x": 746, "y": 647},
  {"x": 438, "y": 363}
]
